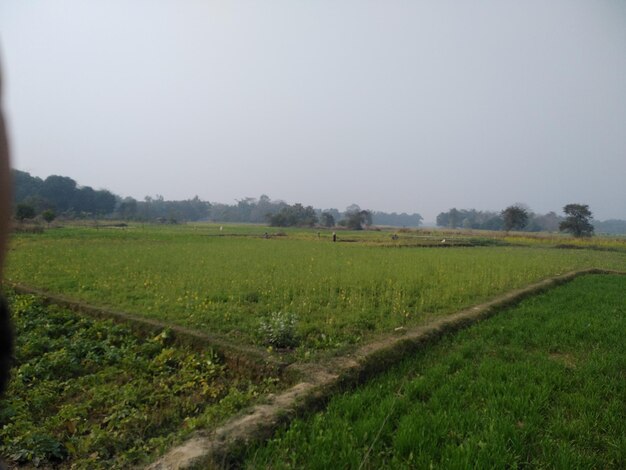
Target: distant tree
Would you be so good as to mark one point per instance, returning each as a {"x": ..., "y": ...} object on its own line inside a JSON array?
[
  {"x": 442, "y": 219},
  {"x": 292, "y": 216},
  {"x": 357, "y": 219},
  {"x": 514, "y": 217},
  {"x": 396, "y": 220},
  {"x": 454, "y": 218},
  {"x": 327, "y": 219},
  {"x": 25, "y": 185},
  {"x": 470, "y": 218},
  {"x": 353, "y": 208},
  {"x": 333, "y": 212},
  {"x": 83, "y": 200},
  {"x": 611, "y": 226},
  {"x": 103, "y": 202},
  {"x": 60, "y": 191},
  {"x": 48, "y": 215},
  {"x": 24, "y": 211},
  {"x": 577, "y": 220},
  {"x": 245, "y": 207},
  {"x": 39, "y": 204},
  {"x": 548, "y": 222},
  {"x": 493, "y": 223},
  {"x": 262, "y": 208},
  {"x": 533, "y": 223},
  {"x": 127, "y": 208},
  {"x": 246, "y": 210}
]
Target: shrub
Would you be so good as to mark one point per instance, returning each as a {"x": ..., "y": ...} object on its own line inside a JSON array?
[{"x": 279, "y": 330}]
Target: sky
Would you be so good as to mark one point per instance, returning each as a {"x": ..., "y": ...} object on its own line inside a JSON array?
[{"x": 405, "y": 106}]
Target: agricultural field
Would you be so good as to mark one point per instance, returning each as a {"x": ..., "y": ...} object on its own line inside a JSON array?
[
  {"x": 91, "y": 394},
  {"x": 540, "y": 385},
  {"x": 233, "y": 281},
  {"x": 99, "y": 396}
]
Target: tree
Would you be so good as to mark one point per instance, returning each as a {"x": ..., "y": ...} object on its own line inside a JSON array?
[
  {"x": 60, "y": 191},
  {"x": 48, "y": 215},
  {"x": 292, "y": 216},
  {"x": 127, "y": 209},
  {"x": 470, "y": 218},
  {"x": 84, "y": 200},
  {"x": 514, "y": 217},
  {"x": 24, "y": 211},
  {"x": 357, "y": 219},
  {"x": 396, "y": 220},
  {"x": 548, "y": 222},
  {"x": 327, "y": 219},
  {"x": 103, "y": 202},
  {"x": 493, "y": 223},
  {"x": 577, "y": 220},
  {"x": 454, "y": 219},
  {"x": 25, "y": 185},
  {"x": 611, "y": 226}
]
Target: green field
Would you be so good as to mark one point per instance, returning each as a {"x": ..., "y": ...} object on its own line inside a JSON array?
[
  {"x": 230, "y": 281},
  {"x": 91, "y": 394},
  {"x": 541, "y": 385},
  {"x": 538, "y": 385}
]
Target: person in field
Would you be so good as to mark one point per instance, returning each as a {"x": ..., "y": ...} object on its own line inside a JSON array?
[{"x": 6, "y": 332}]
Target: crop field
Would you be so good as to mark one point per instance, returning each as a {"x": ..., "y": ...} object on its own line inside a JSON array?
[
  {"x": 232, "y": 280},
  {"x": 540, "y": 385},
  {"x": 91, "y": 394}
]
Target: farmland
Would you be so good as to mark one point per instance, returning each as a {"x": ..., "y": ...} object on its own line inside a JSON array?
[
  {"x": 539, "y": 385},
  {"x": 102, "y": 395},
  {"x": 91, "y": 394},
  {"x": 230, "y": 281}
]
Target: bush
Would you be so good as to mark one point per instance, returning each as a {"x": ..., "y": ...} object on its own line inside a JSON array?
[{"x": 279, "y": 330}]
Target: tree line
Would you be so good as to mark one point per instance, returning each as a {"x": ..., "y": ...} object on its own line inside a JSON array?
[
  {"x": 488, "y": 220},
  {"x": 577, "y": 220},
  {"x": 60, "y": 195},
  {"x": 56, "y": 195}
]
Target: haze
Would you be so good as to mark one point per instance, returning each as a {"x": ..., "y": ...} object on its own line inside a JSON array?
[{"x": 394, "y": 105}]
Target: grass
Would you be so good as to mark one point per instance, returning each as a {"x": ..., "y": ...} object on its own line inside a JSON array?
[
  {"x": 232, "y": 281},
  {"x": 90, "y": 394},
  {"x": 541, "y": 385}
]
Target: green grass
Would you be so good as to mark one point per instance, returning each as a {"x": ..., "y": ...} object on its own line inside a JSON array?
[
  {"x": 340, "y": 292},
  {"x": 90, "y": 394},
  {"x": 542, "y": 385}
]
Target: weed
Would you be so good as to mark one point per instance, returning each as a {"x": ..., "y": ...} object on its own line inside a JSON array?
[{"x": 279, "y": 330}]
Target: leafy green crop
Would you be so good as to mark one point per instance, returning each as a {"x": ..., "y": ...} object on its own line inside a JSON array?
[{"x": 91, "y": 394}]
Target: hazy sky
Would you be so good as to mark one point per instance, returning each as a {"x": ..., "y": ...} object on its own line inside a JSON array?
[{"x": 415, "y": 106}]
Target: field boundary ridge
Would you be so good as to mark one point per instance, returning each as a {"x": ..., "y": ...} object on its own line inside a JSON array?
[{"x": 223, "y": 446}]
